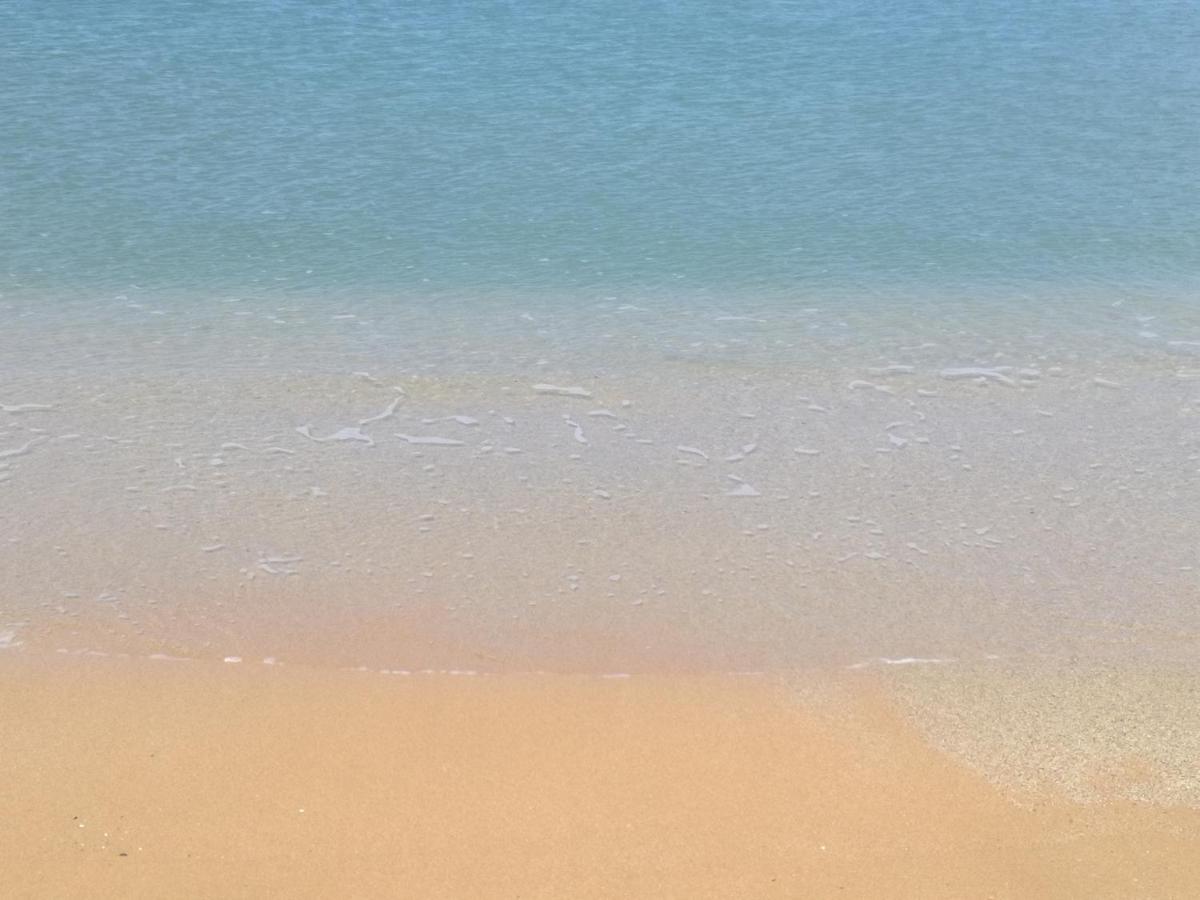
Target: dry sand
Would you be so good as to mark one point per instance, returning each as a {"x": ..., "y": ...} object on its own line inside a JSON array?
[{"x": 156, "y": 779}]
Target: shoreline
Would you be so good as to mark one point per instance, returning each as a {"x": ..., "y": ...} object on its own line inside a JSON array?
[{"x": 519, "y": 785}]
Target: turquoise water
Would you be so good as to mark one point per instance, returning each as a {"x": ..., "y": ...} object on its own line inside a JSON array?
[{"x": 577, "y": 151}]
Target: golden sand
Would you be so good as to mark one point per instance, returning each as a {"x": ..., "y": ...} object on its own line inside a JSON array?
[{"x": 160, "y": 779}]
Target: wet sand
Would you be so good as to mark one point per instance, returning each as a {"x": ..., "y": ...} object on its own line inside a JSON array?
[{"x": 143, "y": 778}]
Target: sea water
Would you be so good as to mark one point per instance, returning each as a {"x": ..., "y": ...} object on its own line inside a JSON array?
[{"x": 600, "y": 335}]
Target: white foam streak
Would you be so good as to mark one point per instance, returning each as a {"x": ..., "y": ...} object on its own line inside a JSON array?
[
  {"x": 431, "y": 440},
  {"x": 555, "y": 390},
  {"x": 343, "y": 434},
  {"x": 386, "y": 414}
]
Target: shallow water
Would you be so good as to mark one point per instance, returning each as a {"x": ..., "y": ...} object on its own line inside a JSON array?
[
  {"x": 627, "y": 339},
  {"x": 684, "y": 511}
]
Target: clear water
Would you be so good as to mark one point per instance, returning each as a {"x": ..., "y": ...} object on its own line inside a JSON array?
[
  {"x": 575, "y": 151},
  {"x": 878, "y": 324}
]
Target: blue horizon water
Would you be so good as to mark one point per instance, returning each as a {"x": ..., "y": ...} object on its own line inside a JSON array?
[{"x": 774, "y": 150}]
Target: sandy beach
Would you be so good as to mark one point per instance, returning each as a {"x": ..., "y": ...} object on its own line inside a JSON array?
[
  {"x": 545, "y": 451},
  {"x": 151, "y": 778}
]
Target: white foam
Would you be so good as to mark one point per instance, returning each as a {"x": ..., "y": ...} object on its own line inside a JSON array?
[
  {"x": 562, "y": 391},
  {"x": 431, "y": 440},
  {"x": 25, "y": 407},
  {"x": 386, "y": 414},
  {"x": 903, "y": 661},
  {"x": 976, "y": 372},
  {"x": 278, "y": 565},
  {"x": 915, "y": 660},
  {"x": 859, "y": 385},
  {"x": 578, "y": 430},
  {"x": 742, "y": 490},
  {"x": 23, "y": 449},
  {"x": 342, "y": 434},
  {"x": 745, "y": 451},
  {"x": 8, "y": 639},
  {"x": 694, "y": 451}
]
